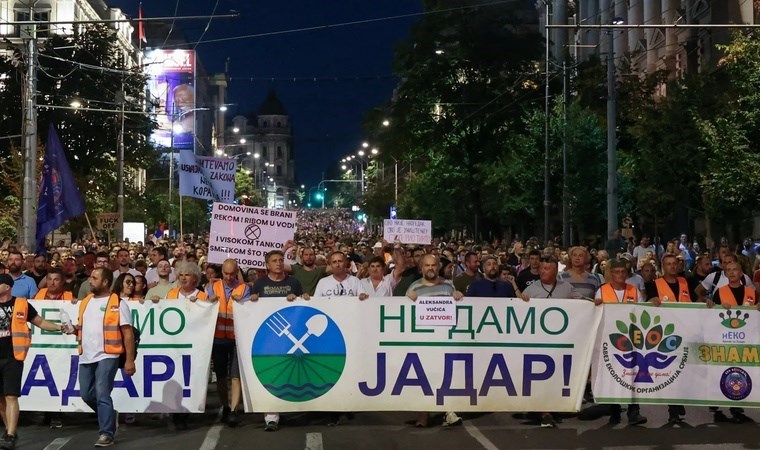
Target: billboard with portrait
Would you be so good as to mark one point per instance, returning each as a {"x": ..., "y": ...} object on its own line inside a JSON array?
[{"x": 171, "y": 90}]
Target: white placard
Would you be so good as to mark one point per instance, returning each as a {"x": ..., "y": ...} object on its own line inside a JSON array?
[
  {"x": 247, "y": 233},
  {"x": 408, "y": 231},
  {"x": 436, "y": 311},
  {"x": 206, "y": 177}
]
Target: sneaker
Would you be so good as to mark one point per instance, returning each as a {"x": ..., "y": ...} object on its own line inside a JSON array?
[
  {"x": 233, "y": 420},
  {"x": 451, "y": 419},
  {"x": 56, "y": 423},
  {"x": 271, "y": 426},
  {"x": 636, "y": 419},
  {"x": 104, "y": 441},
  {"x": 547, "y": 421},
  {"x": 675, "y": 419},
  {"x": 225, "y": 415},
  {"x": 8, "y": 442},
  {"x": 614, "y": 419}
]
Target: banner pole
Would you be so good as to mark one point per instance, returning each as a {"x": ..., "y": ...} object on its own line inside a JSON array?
[
  {"x": 181, "y": 227},
  {"x": 94, "y": 238}
]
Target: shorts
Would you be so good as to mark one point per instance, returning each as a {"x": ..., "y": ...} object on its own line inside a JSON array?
[
  {"x": 11, "y": 371},
  {"x": 224, "y": 357}
]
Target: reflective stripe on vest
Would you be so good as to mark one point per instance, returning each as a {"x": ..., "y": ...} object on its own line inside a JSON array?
[
  {"x": 727, "y": 296},
  {"x": 666, "y": 294},
  {"x": 631, "y": 294},
  {"x": 224, "y": 323},
  {"x": 42, "y": 294},
  {"x": 21, "y": 335},
  {"x": 113, "y": 342}
]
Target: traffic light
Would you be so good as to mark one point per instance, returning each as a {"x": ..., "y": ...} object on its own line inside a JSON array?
[{"x": 318, "y": 196}]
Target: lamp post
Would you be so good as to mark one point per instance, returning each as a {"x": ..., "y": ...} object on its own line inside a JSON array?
[{"x": 612, "y": 206}]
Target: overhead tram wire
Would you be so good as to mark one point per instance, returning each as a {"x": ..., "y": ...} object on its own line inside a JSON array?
[
  {"x": 208, "y": 24},
  {"x": 176, "y": 9},
  {"x": 343, "y": 24}
]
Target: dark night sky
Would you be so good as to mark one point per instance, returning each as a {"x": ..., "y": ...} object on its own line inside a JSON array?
[{"x": 326, "y": 114}]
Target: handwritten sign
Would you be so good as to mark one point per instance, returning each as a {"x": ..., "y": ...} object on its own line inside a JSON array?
[
  {"x": 247, "y": 234},
  {"x": 436, "y": 311},
  {"x": 107, "y": 221},
  {"x": 408, "y": 231},
  {"x": 206, "y": 177}
]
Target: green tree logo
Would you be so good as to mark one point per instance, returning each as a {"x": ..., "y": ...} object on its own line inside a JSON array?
[{"x": 645, "y": 344}]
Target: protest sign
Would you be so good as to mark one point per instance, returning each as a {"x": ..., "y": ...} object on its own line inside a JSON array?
[
  {"x": 247, "y": 233},
  {"x": 207, "y": 177},
  {"x": 436, "y": 311},
  {"x": 107, "y": 221},
  {"x": 372, "y": 355},
  {"x": 408, "y": 231},
  {"x": 172, "y": 360},
  {"x": 677, "y": 354}
]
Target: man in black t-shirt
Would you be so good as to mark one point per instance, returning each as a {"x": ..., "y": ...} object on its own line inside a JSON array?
[
  {"x": 277, "y": 283},
  {"x": 38, "y": 270},
  {"x": 14, "y": 332},
  {"x": 528, "y": 276}
]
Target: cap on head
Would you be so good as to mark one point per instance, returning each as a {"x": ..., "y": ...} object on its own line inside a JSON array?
[{"x": 6, "y": 279}]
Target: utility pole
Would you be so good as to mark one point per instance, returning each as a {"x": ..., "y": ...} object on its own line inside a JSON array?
[
  {"x": 29, "y": 202},
  {"x": 547, "y": 203},
  {"x": 565, "y": 193},
  {"x": 612, "y": 220}
]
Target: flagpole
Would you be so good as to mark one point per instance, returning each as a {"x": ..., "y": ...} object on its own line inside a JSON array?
[{"x": 94, "y": 238}]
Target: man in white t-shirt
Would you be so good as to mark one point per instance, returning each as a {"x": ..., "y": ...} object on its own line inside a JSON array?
[
  {"x": 340, "y": 283},
  {"x": 718, "y": 278},
  {"x": 105, "y": 330}
]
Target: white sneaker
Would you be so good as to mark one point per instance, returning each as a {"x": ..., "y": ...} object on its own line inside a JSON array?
[{"x": 452, "y": 419}]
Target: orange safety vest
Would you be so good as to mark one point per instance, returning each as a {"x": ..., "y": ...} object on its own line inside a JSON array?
[
  {"x": 21, "y": 335},
  {"x": 664, "y": 290},
  {"x": 174, "y": 294},
  {"x": 727, "y": 297},
  {"x": 631, "y": 294},
  {"x": 224, "y": 324},
  {"x": 113, "y": 341},
  {"x": 42, "y": 293}
]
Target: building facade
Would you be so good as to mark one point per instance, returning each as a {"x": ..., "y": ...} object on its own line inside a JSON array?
[{"x": 263, "y": 144}]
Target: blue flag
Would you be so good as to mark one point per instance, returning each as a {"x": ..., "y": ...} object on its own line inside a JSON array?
[{"x": 60, "y": 199}]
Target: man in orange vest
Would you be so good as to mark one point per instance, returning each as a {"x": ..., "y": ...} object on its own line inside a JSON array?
[
  {"x": 54, "y": 289},
  {"x": 670, "y": 288},
  {"x": 223, "y": 351},
  {"x": 735, "y": 293},
  {"x": 618, "y": 291},
  {"x": 104, "y": 332},
  {"x": 15, "y": 339}
]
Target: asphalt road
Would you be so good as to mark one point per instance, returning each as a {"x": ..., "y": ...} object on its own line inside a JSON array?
[{"x": 390, "y": 431}]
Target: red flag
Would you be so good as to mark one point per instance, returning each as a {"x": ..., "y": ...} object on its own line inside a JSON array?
[{"x": 140, "y": 28}]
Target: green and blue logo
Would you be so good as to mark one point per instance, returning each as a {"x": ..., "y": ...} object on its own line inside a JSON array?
[{"x": 298, "y": 353}]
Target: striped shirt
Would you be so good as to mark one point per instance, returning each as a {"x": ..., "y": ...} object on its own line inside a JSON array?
[{"x": 585, "y": 286}]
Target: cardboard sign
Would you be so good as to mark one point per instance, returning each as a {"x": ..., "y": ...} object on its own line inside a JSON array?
[
  {"x": 408, "y": 231},
  {"x": 107, "y": 221}
]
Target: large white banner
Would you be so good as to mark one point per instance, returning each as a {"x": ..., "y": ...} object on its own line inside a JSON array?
[
  {"x": 342, "y": 354},
  {"x": 678, "y": 354},
  {"x": 247, "y": 233},
  {"x": 172, "y": 360}
]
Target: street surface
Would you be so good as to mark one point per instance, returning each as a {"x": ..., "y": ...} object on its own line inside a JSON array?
[{"x": 393, "y": 431}]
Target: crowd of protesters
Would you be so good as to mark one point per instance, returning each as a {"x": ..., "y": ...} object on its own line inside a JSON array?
[{"x": 336, "y": 255}]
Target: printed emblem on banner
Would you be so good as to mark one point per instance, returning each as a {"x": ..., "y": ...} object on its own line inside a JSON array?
[
  {"x": 253, "y": 232},
  {"x": 735, "y": 383},
  {"x": 733, "y": 319},
  {"x": 298, "y": 354},
  {"x": 645, "y": 349}
]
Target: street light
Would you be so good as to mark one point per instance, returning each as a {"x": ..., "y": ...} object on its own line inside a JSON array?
[
  {"x": 386, "y": 123},
  {"x": 612, "y": 220}
]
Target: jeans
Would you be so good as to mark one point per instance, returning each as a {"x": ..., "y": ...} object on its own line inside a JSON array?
[{"x": 96, "y": 384}]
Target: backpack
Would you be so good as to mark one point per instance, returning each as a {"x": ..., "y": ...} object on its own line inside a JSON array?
[{"x": 123, "y": 356}]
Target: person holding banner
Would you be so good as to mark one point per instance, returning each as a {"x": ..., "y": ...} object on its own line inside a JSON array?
[
  {"x": 276, "y": 284},
  {"x": 378, "y": 283},
  {"x": 340, "y": 283},
  {"x": 104, "y": 332},
  {"x": 735, "y": 293},
  {"x": 670, "y": 288},
  {"x": 224, "y": 352},
  {"x": 491, "y": 285},
  {"x": 618, "y": 291},
  {"x": 54, "y": 289},
  {"x": 432, "y": 285},
  {"x": 15, "y": 340}
]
